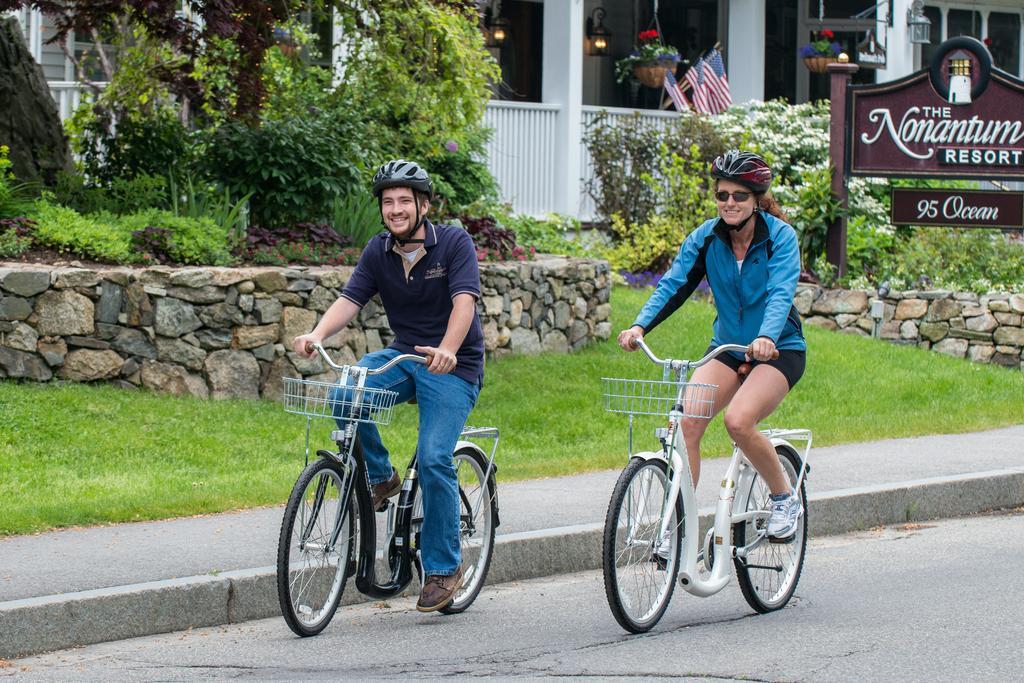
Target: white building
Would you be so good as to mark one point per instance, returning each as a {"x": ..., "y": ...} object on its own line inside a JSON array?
[{"x": 555, "y": 81}]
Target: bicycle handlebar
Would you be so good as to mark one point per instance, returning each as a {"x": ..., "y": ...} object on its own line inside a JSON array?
[
  {"x": 387, "y": 366},
  {"x": 714, "y": 353}
]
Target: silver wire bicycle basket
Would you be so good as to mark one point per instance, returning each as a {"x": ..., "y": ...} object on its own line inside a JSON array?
[
  {"x": 333, "y": 400},
  {"x": 652, "y": 397}
]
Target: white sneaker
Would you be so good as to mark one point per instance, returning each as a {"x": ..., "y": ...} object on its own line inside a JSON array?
[{"x": 784, "y": 518}]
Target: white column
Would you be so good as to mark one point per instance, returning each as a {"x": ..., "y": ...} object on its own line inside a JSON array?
[
  {"x": 745, "y": 50},
  {"x": 562, "y": 84},
  {"x": 899, "y": 58},
  {"x": 35, "y": 35}
]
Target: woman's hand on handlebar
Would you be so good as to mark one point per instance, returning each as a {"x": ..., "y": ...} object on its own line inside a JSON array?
[
  {"x": 762, "y": 349},
  {"x": 303, "y": 345},
  {"x": 627, "y": 338}
]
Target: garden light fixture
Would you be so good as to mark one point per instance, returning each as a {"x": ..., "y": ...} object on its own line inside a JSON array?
[{"x": 597, "y": 33}]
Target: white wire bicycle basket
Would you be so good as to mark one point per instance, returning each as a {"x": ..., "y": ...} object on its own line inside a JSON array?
[
  {"x": 652, "y": 397},
  {"x": 333, "y": 400}
]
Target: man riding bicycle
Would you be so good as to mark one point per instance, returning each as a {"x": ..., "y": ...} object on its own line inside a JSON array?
[{"x": 429, "y": 282}]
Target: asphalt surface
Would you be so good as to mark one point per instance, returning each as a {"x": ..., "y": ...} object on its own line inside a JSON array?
[
  {"x": 102, "y": 557},
  {"x": 914, "y": 602}
]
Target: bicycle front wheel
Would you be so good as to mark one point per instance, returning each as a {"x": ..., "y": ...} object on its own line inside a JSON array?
[
  {"x": 316, "y": 547},
  {"x": 639, "y": 567},
  {"x": 770, "y": 571},
  {"x": 478, "y": 517}
]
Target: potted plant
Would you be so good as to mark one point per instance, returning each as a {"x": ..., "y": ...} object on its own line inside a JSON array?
[
  {"x": 649, "y": 60},
  {"x": 821, "y": 51}
]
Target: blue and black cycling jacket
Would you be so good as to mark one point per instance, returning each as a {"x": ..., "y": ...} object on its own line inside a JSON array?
[{"x": 756, "y": 301}]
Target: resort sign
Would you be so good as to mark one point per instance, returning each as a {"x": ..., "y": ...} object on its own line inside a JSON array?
[{"x": 960, "y": 118}]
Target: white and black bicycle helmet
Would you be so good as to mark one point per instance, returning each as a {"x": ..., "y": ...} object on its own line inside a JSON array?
[
  {"x": 402, "y": 173},
  {"x": 746, "y": 168}
]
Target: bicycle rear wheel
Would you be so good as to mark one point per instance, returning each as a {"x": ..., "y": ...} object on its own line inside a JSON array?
[
  {"x": 478, "y": 518},
  {"x": 639, "y": 568},
  {"x": 769, "y": 574},
  {"x": 316, "y": 546}
]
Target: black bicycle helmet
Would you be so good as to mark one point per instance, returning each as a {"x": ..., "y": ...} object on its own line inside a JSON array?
[
  {"x": 745, "y": 168},
  {"x": 402, "y": 173}
]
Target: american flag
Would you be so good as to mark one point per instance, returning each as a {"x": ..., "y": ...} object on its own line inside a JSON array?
[
  {"x": 675, "y": 91},
  {"x": 716, "y": 82},
  {"x": 698, "y": 93}
]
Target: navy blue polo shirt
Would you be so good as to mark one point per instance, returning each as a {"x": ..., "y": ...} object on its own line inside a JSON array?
[{"x": 418, "y": 309}]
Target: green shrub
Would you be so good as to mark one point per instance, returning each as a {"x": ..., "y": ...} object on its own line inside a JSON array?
[
  {"x": 681, "y": 188},
  {"x": 149, "y": 144},
  {"x": 198, "y": 201},
  {"x": 356, "y": 215},
  {"x": 190, "y": 240},
  {"x": 95, "y": 236},
  {"x": 460, "y": 173},
  {"x": 974, "y": 259},
  {"x": 628, "y": 151},
  {"x": 15, "y": 197},
  {"x": 292, "y": 168},
  {"x": 810, "y": 208},
  {"x": 14, "y": 236},
  {"x": 554, "y": 234},
  {"x": 107, "y": 237}
]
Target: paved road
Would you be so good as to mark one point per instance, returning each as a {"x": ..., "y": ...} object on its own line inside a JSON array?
[{"x": 937, "y": 601}]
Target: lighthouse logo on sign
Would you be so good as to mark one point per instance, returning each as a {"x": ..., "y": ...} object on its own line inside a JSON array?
[{"x": 959, "y": 78}]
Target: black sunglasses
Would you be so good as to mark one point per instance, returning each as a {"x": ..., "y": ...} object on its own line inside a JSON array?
[{"x": 723, "y": 196}]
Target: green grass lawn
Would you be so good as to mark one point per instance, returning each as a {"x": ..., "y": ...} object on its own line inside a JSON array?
[{"x": 78, "y": 454}]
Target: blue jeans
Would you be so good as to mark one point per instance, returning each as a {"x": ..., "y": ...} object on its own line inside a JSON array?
[{"x": 445, "y": 402}]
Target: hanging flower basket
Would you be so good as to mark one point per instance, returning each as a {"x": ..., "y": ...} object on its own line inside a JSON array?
[
  {"x": 821, "y": 51},
  {"x": 652, "y": 74},
  {"x": 818, "y": 65},
  {"x": 649, "y": 61}
]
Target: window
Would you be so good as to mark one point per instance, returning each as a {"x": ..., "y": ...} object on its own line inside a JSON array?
[
  {"x": 1004, "y": 32},
  {"x": 934, "y": 16},
  {"x": 841, "y": 9},
  {"x": 964, "y": 22}
]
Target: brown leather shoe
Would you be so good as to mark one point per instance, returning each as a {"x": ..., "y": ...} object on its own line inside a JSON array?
[
  {"x": 386, "y": 489},
  {"x": 439, "y": 591}
]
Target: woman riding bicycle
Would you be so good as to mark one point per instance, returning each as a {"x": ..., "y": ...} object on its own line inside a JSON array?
[{"x": 751, "y": 259}]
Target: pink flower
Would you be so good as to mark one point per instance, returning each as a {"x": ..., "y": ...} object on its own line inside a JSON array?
[{"x": 452, "y": 146}]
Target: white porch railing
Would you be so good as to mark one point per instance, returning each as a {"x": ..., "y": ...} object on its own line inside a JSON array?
[
  {"x": 521, "y": 153},
  {"x": 68, "y": 95}
]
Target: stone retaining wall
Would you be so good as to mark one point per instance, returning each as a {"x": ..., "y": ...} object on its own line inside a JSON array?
[
  {"x": 226, "y": 332},
  {"x": 985, "y": 328}
]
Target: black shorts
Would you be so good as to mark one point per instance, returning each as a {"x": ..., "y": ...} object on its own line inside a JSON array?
[{"x": 790, "y": 363}]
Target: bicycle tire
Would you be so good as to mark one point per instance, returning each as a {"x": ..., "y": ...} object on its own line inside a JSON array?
[
  {"x": 638, "y": 589},
  {"x": 310, "y": 582},
  {"x": 478, "y": 516},
  {"x": 768, "y": 576}
]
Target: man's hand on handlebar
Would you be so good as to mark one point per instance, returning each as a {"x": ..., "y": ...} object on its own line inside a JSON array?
[
  {"x": 439, "y": 361},
  {"x": 628, "y": 337},
  {"x": 303, "y": 345}
]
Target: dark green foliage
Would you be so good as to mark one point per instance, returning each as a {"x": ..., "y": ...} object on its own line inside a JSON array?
[
  {"x": 460, "y": 173},
  {"x": 293, "y": 168},
  {"x": 155, "y": 145}
]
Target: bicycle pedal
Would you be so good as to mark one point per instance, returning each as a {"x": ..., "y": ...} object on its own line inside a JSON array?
[{"x": 782, "y": 541}]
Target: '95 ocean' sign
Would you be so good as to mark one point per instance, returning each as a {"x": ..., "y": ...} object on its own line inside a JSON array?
[
  {"x": 960, "y": 118},
  {"x": 957, "y": 208}
]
